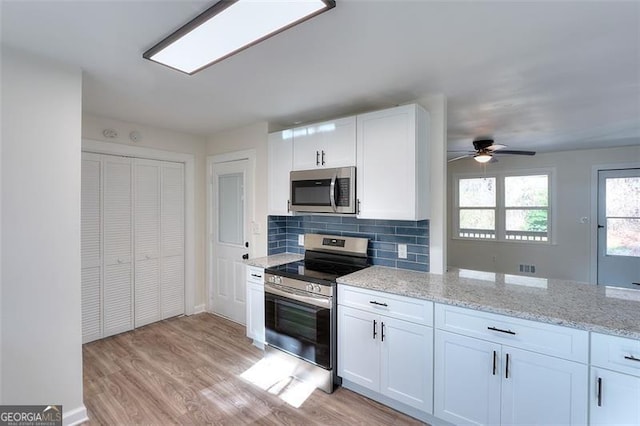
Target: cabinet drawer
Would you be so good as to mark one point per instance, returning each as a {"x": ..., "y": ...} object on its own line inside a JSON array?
[
  {"x": 615, "y": 353},
  {"x": 549, "y": 339},
  {"x": 405, "y": 308},
  {"x": 255, "y": 275}
]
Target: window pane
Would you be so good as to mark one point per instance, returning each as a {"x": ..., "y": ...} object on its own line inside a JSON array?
[
  {"x": 623, "y": 197},
  {"x": 478, "y": 219},
  {"x": 623, "y": 237},
  {"x": 526, "y": 220},
  {"x": 479, "y": 192},
  {"x": 231, "y": 209},
  {"x": 526, "y": 191}
]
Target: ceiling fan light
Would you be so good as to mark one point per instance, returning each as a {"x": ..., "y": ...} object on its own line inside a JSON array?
[
  {"x": 482, "y": 157},
  {"x": 228, "y": 27}
]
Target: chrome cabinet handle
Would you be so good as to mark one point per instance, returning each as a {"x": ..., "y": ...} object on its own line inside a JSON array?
[
  {"x": 288, "y": 206},
  {"x": 323, "y": 158},
  {"x": 317, "y": 158},
  {"x": 374, "y": 329},
  {"x": 501, "y": 331},
  {"x": 374, "y": 302},
  {"x": 382, "y": 327},
  {"x": 599, "y": 391},
  {"x": 632, "y": 358},
  {"x": 495, "y": 356}
]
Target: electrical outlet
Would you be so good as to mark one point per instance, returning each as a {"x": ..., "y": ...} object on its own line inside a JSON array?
[
  {"x": 301, "y": 239},
  {"x": 402, "y": 251}
]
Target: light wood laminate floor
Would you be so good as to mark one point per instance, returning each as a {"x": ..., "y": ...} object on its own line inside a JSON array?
[{"x": 187, "y": 371}]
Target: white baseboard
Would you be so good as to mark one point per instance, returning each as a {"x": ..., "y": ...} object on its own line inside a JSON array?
[
  {"x": 198, "y": 309},
  {"x": 75, "y": 416}
]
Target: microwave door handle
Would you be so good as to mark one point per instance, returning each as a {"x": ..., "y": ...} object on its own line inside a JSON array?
[{"x": 332, "y": 192}]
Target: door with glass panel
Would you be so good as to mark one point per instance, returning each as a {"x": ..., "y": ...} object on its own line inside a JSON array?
[
  {"x": 619, "y": 228},
  {"x": 229, "y": 209}
]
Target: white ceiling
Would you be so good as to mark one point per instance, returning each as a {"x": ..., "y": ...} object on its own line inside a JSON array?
[{"x": 535, "y": 75}]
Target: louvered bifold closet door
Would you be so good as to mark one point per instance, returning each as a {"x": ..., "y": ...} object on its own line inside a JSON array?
[
  {"x": 147, "y": 241},
  {"x": 172, "y": 240},
  {"x": 91, "y": 248},
  {"x": 118, "y": 244}
]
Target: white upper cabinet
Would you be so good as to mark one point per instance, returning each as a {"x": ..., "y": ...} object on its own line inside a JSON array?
[
  {"x": 280, "y": 157},
  {"x": 392, "y": 166},
  {"x": 328, "y": 144}
]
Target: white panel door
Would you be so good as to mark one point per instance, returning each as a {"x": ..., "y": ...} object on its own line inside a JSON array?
[
  {"x": 172, "y": 240},
  {"x": 466, "y": 380},
  {"x": 147, "y": 242},
  {"x": 91, "y": 247},
  {"x": 407, "y": 363},
  {"x": 118, "y": 242},
  {"x": 619, "y": 228},
  {"x": 280, "y": 166},
  {"x": 228, "y": 296},
  {"x": 614, "y": 398},
  {"x": 542, "y": 390},
  {"x": 359, "y": 347}
]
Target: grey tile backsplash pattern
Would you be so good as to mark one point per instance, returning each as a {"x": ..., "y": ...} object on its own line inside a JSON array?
[{"x": 384, "y": 237}]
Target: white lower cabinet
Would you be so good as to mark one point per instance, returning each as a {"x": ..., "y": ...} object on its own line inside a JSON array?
[
  {"x": 255, "y": 305},
  {"x": 485, "y": 382},
  {"x": 614, "y": 397},
  {"x": 386, "y": 355}
]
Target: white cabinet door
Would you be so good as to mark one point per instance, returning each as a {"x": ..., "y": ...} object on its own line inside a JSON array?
[
  {"x": 359, "y": 350},
  {"x": 118, "y": 244},
  {"x": 280, "y": 163},
  {"x": 172, "y": 240},
  {"x": 614, "y": 398},
  {"x": 543, "y": 390},
  {"x": 327, "y": 144},
  {"x": 407, "y": 363},
  {"x": 467, "y": 380},
  {"x": 147, "y": 242},
  {"x": 91, "y": 247},
  {"x": 392, "y": 166},
  {"x": 255, "y": 313}
]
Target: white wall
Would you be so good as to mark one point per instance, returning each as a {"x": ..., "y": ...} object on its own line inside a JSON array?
[
  {"x": 41, "y": 331},
  {"x": 249, "y": 137},
  {"x": 166, "y": 140},
  {"x": 570, "y": 255}
]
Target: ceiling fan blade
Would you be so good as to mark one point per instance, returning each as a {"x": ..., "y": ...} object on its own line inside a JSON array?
[
  {"x": 510, "y": 152},
  {"x": 459, "y": 158},
  {"x": 495, "y": 147}
]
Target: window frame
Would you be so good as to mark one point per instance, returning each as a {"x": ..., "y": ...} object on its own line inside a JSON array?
[{"x": 500, "y": 209}]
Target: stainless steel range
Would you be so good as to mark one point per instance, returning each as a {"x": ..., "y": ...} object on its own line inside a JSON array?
[{"x": 301, "y": 309}]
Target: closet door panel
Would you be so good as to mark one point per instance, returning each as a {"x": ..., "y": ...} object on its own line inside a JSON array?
[
  {"x": 172, "y": 240},
  {"x": 147, "y": 242},
  {"x": 91, "y": 247},
  {"x": 118, "y": 267}
]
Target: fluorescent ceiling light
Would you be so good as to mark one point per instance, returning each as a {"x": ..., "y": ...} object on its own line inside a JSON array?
[{"x": 228, "y": 27}]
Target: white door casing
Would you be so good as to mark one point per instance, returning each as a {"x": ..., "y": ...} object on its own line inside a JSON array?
[
  {"x": 618, "y": 252},
  {"x": 230, "y": 215}
]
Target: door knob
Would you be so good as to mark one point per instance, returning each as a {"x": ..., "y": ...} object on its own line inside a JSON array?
[
  {"x": 245, "y": 256},
  {"x": 246, "y": 244}
]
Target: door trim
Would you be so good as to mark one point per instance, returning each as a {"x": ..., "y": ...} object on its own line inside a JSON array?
[
  {"x": 593, "y": 222},
  {"x": 212, "y": 160},
  {"x": 100, "y": 147}
]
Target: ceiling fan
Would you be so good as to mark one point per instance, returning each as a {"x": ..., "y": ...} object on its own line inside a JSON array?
[{"x": 485, "y": 150}]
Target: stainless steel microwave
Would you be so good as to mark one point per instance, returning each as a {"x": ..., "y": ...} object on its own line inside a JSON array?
[{"x": 323, "y": 190}]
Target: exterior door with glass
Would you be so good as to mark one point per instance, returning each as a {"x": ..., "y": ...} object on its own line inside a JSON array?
[
  {"x": 228, "y": 295},
  {"x": 619, "y": 228}
]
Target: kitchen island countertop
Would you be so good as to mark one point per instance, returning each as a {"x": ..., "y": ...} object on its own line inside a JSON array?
[{"x": 609, "y": 310}]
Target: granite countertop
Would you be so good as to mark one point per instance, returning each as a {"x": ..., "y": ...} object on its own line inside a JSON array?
[
  {"x": 274, "y": 260},
  {"x": 609, "y": 310}
]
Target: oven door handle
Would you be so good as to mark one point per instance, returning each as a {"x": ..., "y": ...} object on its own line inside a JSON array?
[{"x": 322, "y": 302}]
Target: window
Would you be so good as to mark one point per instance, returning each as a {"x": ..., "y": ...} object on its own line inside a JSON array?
[{"x": 504, "y": 207}]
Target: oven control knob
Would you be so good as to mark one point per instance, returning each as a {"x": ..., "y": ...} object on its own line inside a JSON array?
[
  {"x": 316, "y": 288},
  {"x": 309, "y": 287}
]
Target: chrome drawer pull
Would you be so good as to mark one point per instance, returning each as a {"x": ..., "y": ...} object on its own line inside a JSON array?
[
  {"x": 373, "y": 302},
  {"x": 501, "y": 331},
  {"x": 632, "y": 358}
]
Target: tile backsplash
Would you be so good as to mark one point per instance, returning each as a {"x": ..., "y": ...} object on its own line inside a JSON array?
[{"x": 384, "y": 237}]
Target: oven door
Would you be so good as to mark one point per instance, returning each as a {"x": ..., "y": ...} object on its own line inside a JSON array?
[{"x": 299, "y": 323}]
